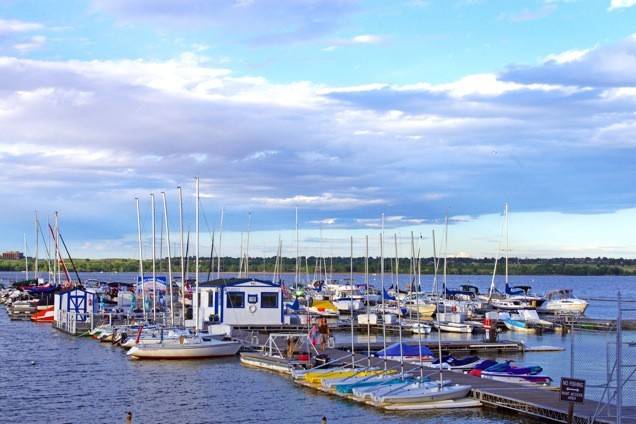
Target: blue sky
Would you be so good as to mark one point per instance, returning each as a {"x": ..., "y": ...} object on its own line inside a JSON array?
[{"x": 346, "y": 109}]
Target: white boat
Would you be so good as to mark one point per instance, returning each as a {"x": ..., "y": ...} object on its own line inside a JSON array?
[
  {"x": 424, "y": 392},
  {"x": 454, "y": 327},
  {"x": 563, "y": 301},
  {"x": 419, "y": 328},
  {"x": 192, "y": 348},
  {"x": 347, "y": 298},
  {"x": 153, "y": 336}
]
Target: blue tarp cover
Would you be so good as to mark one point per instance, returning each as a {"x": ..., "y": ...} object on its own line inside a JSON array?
[{"x": 407, "y": 350}]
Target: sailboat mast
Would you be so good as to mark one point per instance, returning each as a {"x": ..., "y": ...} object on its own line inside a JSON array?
[
  {"x": 218, "y": 257},
  {"x": 366, "y": 282},
  {"x": 507, "y": 242},
  {"x": 26, "y": 260},
  {"x": 195, "y": 299},
  {"x": 417, "y": 307},
  {"x": 141, "y": 260},
  {"x": 397, "y": 282},
  {"x": 183, "y": 279},
  {"x": 297, "y": 275},
  {"x": 247, "y": 246},
  {"x": 382, "y": 285},
  {"x": 353, "y": 352},
  {"x": 154, "y": 260},
  {"x": 165, "y": 218},
  {"x": 439, "y": 331},
  {"x": 37, "y": 246}
]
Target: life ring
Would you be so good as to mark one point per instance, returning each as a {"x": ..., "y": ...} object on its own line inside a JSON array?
[{"x": 252, "y": 308}]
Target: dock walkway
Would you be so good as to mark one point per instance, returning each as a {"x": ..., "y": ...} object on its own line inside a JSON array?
[{"x": 536, "y": 402}]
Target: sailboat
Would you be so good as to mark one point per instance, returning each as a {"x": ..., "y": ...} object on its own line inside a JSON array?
[
  {"x": 424, "y": 395},
  {"x": 187, "y": 348}
]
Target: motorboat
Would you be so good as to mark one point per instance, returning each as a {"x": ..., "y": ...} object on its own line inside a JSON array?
[
  {"x": 44, "y": 315},
  {"x": 186, "y": 348},
  {"x": 347, "y": 298},
  {"x": 563, "y": 301}
]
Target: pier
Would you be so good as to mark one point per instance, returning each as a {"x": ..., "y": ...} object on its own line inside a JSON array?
[{"x": 533, "y": 402}]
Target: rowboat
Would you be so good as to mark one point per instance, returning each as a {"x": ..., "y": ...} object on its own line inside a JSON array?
[{"x": 187, "y": 348}]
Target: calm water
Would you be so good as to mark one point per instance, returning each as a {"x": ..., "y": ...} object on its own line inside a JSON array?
[{"x": 80, "y": 380}]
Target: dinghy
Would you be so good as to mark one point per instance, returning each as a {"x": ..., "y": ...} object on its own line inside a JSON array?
[
  {"x": 424, "y": 392},
  {"x": 454, "y": 327}
]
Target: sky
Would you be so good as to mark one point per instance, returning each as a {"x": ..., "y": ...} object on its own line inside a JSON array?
[{"x": 344, "y": 109}]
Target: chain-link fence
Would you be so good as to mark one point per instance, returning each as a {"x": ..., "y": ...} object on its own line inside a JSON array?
[{"x": 618, "y": 391}]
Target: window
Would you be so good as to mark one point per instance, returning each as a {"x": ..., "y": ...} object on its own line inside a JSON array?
[
  {"x": 269, "y": 300},
  {"x": 210, "y": 299},
  {"x": 235, "y": 300},
  {"x": 252, "y": 298}
]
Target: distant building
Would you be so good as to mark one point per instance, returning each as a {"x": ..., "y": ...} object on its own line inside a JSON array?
[{"x": 15, "y": 255}]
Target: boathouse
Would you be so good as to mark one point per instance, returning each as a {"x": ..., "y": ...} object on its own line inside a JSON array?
[
  {"x": 239, "y": 302},
  {"x": 73, "y": 308}
]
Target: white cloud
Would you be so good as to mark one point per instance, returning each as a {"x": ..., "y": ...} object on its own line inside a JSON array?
[
  {"x": 567, "y": 56},
  {"x": 621, "y": 4},
  {"x": 322, "y": 201},
  {"x": 325, "y": 221},
  {"x": 15, "y": 26},
  {"x": 366, "y": 39},
  {"x": 31, "y": 44}
]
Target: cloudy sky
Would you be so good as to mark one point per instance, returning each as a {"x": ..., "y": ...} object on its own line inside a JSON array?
[{"x": 345, "y": 109}]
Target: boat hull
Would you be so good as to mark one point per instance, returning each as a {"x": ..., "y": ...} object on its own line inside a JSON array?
[{"x": 185, "y": 351}]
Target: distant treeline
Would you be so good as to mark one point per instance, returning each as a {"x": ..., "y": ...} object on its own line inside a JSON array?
[{"x": 466, "y": 266}]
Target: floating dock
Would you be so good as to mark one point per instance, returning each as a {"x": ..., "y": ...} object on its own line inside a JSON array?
[{"x": 534, "y": 402}]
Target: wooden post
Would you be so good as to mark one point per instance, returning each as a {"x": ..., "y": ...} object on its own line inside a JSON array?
[{"x": 570, "y": 412}]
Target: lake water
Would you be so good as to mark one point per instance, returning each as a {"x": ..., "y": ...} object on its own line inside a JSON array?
[{"x": 48, "y": 376}]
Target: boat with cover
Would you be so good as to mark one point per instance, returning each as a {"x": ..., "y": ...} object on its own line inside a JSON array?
[
  {"x": 411, "y": 353},
  {"x": 187, "y": 348},
  {"x": 424, "y": 392},
  {"x": 505, "y": 371}
]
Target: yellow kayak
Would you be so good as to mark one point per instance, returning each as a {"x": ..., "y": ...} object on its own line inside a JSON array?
[{"x": 317, "y": 377}]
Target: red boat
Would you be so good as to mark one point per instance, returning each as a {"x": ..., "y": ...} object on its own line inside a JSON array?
[{"x": 43, "y": 315}]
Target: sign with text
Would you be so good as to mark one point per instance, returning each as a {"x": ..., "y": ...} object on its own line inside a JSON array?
[{"x": 572, "y": 389}]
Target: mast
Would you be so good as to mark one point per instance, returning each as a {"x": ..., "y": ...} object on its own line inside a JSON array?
[
  {"x": 196, "y": 259},
  {"x": 37, "y": 245},
  {"x": 366, "y": 282},
  {"x": 182, "y": 256},
  {"x": 353, "y": 352},
  {"x": 507, "y": 241},
  {"x": 165, "y": 218},
  {"x": 57, "y": 246},
  {"x": 218, "y": 259},
  {"x": 439, "y": 331},
  {"x": 26, "y": 260},
  {"x": 154, "y": 259},
  {"x": 382, "y": 285},
  {"x": 445, "y": 258},
  {"x": 397, "y": 297},
  {"x": 247, "y": 246},
  {"x": 297, "y": 275},
  {"x": 141, "y": 261}
]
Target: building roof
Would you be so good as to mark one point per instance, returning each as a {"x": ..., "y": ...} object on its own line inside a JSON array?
[{"x": 230, "y": 282}]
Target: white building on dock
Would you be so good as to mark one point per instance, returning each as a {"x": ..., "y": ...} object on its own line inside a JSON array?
[
  {"x": 239, "y": 302},
  {"x": 73, "y": 309}
]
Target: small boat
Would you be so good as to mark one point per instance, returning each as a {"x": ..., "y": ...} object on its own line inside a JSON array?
[
  {"x": 563, "y": 301},
  {"x": 323, "y": 308},
  {"x": 454, "y": 327},
  {"x": 419, "y": 328},
  {"x": 518, "y": 326},
  {"x": 451, "y": 363},
  {"x": 411, "y": 353},
  {"x": 504, "y": 371},
  {"x": 44, "y": 315},
  {"x": 317, "y": 378},
  {"x": 424, "y": 392},
  {"x": 187, "y": 348}
]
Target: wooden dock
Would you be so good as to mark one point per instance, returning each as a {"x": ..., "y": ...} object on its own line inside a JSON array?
[{"x": 534, "y": 402}]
